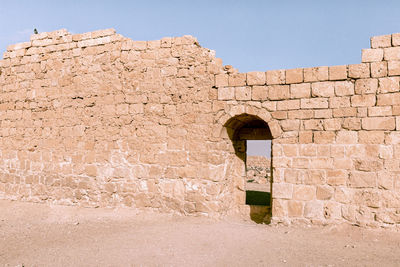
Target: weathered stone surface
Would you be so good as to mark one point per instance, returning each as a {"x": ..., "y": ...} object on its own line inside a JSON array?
[
  {"x": 381, "y": 41},
  {"x": 378, "y": 123},
  {"x": 316, "y": 74},
  {"x": 366, "y": 86},
  {"x": 259, "y": 93},
  {"x": 97, "y": 119},
  {"x": 256, "y": 78},
  {"x": 392, "y": 53},
  {"x": 278, "y": 92},
  {"x": 323, "y": 89},
  {"x": 338, "y": 72},
  {"x": 379, "y": 69},
  {"x": 294, "y": 76},
  {"x": 275, "y": 77},
  {"x": 301, "y": 90},
  {"x": 372, "y": 55},
  {"x": 359, "y": 70}
]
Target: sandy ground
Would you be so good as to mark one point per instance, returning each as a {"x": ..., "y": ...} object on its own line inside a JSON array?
[{"x": 44, "y": 235}]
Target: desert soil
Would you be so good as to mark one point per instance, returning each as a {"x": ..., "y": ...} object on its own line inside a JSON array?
[{"x": 49, "y": 235}]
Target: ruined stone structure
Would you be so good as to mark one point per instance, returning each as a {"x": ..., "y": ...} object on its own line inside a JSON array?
[{"x": 97, "y": 119}]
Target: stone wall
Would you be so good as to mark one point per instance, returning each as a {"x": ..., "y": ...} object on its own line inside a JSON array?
[{"x": 97, "y": 119}]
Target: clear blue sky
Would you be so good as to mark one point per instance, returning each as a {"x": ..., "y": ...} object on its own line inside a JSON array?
[{"x": 250, "y": 35}]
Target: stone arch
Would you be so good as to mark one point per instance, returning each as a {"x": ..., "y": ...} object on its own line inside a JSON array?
[
  {"x": 251, "y": 112},
  {"x": 246, "y": 125},
  {"x": 240, "y": 128}
]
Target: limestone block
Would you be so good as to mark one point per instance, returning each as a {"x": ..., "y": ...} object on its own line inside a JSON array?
[
  {"x": 369, "y": 198},
  {"x": 243, "y": 93},
  {"x": 290, "y": 150},
  {"x": 309, "y": 150},
  {"x": 385, "y": 152},
  {"x": 336, "y": 177},
  {"x": 378, "y": 123},
  {"x": 394, "y": 67},
  {"x": 379, "y": 69},
  {"x": 314, "y": 209},
  {"x": 397, "y": 123},
  {"x": 288, "y": 105},
  {"x": 102, "y": 33},
  {"x": 303, "y": 192},
  {"x": 221, "y": 80},
  {"x": 344, "y": 88},
  {"x": 396, "y": 39},
  {"x": 380, "y": 111},
  {"x": 322, "y": 89},
  {"x": 391, "y": 53},
  {"x": 278, "y": 92},
  {"x": 366, "y": 86},
  {"x": 38, "y": 36},
  {"x": 290, "y": 125},
  {"x": 259, "y": 93},
  {"x": 324, "y": 192},
  {"x": 139, "y": 45},
  {"x": 238, "y": 79},
  {"x": 388, "y": 99},
  {"x": 305, "y": 137},
  {"x": 343, "y": 194},
  {"x": 341, "y": 163},
  {"x": 326, "y": 137},
  {"x": 294, "y": 76},
  {"x": 279, "y": 208},
  {"x": 339, "y": 102},
  {"x": 42, "y": 42},
  {"x": 316, "y": 74},
  {"x": 313, "y": 125},
  {"x": 359, "y": 70},
  {"x": 349, "y": 213},
  {"x": 387, "y": 217},
  {"x": 300, "y": 114},
  {"x": 388, "y": 84},
  {"x": 282, "y": 190},
  {"x": 347, "y": 137},
  {"x": 371, "y": 55},
  {"x": 332, "y": 124},
  {"x": 275, "y": 77},
  {"x": 279, "y": 115},
  {"x": 301, "y": 90},
  {"x": 19, "y": 46},
  {"x": 155, "y": 44},
  {"x": 323, "y": 113},
  {"x": 359, "y": 179},
  {"x": 368, "y": 165},
  {"x": 363, "y": 100},
  {"x": 381, "y": 41},
  {"x": 338, "y": 73},
  {"x": 332, "y": 210},
  {"x": 314, "y": 103},
  {"x": 256, "y": 78},
  {"x": 226, "y": 93},
  {"x": 396, "y": 110},
  {"x": 391, "y": 199},
  {"x": 295, "y": 208}
]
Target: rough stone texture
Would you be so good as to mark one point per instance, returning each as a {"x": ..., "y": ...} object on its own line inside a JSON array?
[{"x": 97, "y": 119}]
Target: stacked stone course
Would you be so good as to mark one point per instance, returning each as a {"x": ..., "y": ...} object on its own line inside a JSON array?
[{"x": 97, "y": 119}]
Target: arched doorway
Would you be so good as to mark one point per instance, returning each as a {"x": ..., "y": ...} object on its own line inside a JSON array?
[{"x": 252, "y": 141}]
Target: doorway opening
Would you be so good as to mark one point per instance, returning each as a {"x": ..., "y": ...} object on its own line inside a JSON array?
[{"x": 252, "y": 140}]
